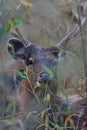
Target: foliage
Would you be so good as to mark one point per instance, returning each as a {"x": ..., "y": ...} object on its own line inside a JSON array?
[
  {"x": 23, "y": 74},
  {"x": 26, "y": 3},
  {"x": 10, "y": 24},
  {"x": 67, "y": 121},
  {"x": 15, "y": 21}
]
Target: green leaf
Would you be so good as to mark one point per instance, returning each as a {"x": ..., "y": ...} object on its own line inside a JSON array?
[
  {"x": 2, "y": 30},
  {"x": 11, "y": 46},
  {"x": 43, "y": 114},
  {"x": 48, "y": 97},
  {"x": 49, "y": 71},
  {"x": 12, "y": 51},
  {"x": 29, "y": 114},
  {"x": 47, "y": 122},
  {"x": 17, "y": 20},
  {"x": 23, "y": 74},
  {"x": 8, "y": 25}
]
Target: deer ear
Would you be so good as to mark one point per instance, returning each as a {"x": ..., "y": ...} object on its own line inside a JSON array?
[{"x": 15, "y": 48}]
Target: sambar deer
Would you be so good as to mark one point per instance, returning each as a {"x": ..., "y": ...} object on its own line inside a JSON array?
[
  {"x": 41, "y": 78},
  {"x": 39, "y": 90}
]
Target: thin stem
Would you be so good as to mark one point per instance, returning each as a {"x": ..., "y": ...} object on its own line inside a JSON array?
[
  {"x": 4, "y": 105},
  {"x": 84, "y": 57}
]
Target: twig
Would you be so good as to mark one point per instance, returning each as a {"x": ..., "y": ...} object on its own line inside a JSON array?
[
  {"x": 84, "y": 55},
  {"x": 5, "y": 117},
  {"x": 18, "y": 35},
  {"x": 3, "y": 112}
]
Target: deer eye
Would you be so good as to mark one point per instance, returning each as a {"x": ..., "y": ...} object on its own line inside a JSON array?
[{"x": 29, "y": 61}]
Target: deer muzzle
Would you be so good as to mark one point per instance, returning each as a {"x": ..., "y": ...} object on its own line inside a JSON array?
[{"x": 44, "y": 78}]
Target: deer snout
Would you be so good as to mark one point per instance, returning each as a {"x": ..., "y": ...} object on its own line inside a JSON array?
[{"x": 44, "y": 78}]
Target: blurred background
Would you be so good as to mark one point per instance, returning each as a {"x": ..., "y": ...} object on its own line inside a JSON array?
[{"x": 44, "y": 23}]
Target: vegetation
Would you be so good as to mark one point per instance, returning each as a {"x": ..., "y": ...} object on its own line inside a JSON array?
[{"x": 61, "y": 24}]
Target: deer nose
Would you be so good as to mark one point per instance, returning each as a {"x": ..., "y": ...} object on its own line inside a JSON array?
[{"x": 44, "y": 78}]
